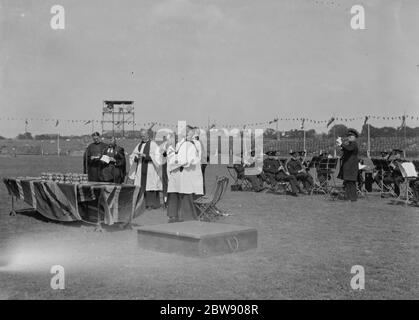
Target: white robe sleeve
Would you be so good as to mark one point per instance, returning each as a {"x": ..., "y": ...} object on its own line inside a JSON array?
[
  {"x": 155, "y": 155},
  {"x": 132, "y": 163},
  {"x": 191, "y": 155}
]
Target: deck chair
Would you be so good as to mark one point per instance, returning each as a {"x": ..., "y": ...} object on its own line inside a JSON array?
[
  {"x": 207, "y": 205},
  {"x": 240, "y": 182}
]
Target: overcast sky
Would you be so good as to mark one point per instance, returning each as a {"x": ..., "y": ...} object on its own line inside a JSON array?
[{"x": 235, "y": 61}]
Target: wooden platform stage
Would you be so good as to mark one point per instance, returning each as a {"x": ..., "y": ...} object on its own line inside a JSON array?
[{"x": 197, "y": 238}]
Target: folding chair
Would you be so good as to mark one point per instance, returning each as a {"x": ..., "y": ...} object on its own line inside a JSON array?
[
  {"x": 409, "y": 174},
  {"x": 321, "y": 175},
  {"x": 326, "y": 170},
  {"x": 207, "y": 205},
  {"x": 319, "y": 186},
  {"x": 240, "y": 181}
]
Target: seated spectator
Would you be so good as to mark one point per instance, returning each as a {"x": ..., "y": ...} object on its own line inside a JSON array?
[
  {"x": 252, "y": 172},
  {"x": 274, "y": 172},
  {"x": 295, "y": 168}
]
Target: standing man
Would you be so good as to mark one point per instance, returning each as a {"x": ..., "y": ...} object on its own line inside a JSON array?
[
  {"x": 164, "y": 148},
  {"x": 202, "y": 155},
  {"x": 114, "y": 163},
  {"x": 91, "y": 158},
  {"x": 145, "y": 161},
  {"x": 349, "y": 164},
  {"x": 184, "y": 168}
]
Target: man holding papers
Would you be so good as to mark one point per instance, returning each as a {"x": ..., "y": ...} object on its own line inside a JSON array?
[
  {"x": 183, "y": 165},
  {"x": 91, "y": 158},
  {"x": 113, "y": 163}
]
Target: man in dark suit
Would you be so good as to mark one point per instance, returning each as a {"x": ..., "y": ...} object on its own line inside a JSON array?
[
  {"x": 91, "y": 158},
  {"x": 274, "y": 171},
  {"x": 115, "y": 170},
  {"x": 349, "y": 164},
  {"x": 296, "y": 169},
  {"x": 395, "y": 177}
]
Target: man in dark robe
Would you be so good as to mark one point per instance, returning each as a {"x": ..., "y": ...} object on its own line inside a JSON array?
[
  {"x": 91, "y": 158},
  {"x": 114, "y": 165},
  {"x": 349, "y": 165}
]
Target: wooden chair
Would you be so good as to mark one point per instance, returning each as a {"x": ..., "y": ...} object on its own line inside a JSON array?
[{"x": 207, "y": 205}]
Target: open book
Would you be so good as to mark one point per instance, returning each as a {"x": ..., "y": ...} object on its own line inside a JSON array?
[
  {"x": 105, "y": 159},
  {"x": 361, "y": 166}
]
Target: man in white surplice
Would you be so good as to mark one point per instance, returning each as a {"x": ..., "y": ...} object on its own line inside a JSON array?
[
  {"x": 184, "y": 168},
  {"x": 146, "y": 161}
]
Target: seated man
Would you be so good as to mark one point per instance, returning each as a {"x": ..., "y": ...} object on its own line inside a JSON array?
[
  {"x": 252, "y": 174},
  {"x": 302, "y": 158},
  {"x": 283, "y": 175},
  {"x": 380, "y": 173},
  {"x": 274, "y": 171},
  {"x": 295, "y": 168},
  {"x": 270, "y": 168},
  {"x": 396, "y": 177}
]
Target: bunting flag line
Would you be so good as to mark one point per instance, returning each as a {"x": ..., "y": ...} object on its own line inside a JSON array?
[
  {"x": 302, "y": 121},
  {"x": 330, "y": 122}
]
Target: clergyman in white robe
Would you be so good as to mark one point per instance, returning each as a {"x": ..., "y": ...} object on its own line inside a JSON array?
[
  {"x": 152, "y": 173},
  {"x": 183, "y": 166}
]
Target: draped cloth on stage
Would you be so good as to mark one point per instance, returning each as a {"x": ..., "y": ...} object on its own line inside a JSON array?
[{"x": 76, "y": 202}]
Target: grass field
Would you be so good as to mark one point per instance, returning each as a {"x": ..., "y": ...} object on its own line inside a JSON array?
[{"x": 306, "y": 248}]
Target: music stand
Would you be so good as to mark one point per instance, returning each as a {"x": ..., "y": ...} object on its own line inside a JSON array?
[
  {"x": 325, "y": 168},
  {"x": 409, "y": 173},
  {"x": 314, "y": 163}
]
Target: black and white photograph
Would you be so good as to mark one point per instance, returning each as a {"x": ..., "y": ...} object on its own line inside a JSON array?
[{"x": 238, "y": 151}]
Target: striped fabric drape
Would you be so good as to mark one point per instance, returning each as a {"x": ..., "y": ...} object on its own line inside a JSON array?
[{"x": 77, "y": 202}]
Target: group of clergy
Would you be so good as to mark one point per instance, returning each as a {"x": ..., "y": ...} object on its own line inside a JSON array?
[{"x": 174, "y": 169}]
